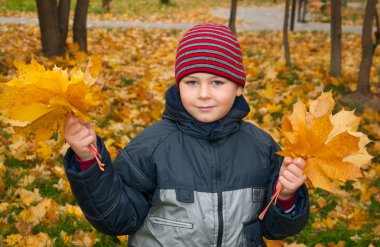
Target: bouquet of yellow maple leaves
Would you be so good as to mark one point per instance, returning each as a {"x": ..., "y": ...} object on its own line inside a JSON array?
[
  {"x": 38, "y": 100},
  {"x": 333, "y": 149}
]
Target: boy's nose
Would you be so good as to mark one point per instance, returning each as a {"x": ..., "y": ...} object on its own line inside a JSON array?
[{"x": 204, "y": 92}]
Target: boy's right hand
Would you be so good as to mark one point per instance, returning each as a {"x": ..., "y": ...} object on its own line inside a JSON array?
[{"x": 80, "y": 136}]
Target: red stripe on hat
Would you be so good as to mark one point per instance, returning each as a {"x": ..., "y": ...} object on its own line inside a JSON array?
[
  {"x": 210, "y": 39},
  {"x": 214, "y": 63},
  {"x": 221, "y": 44},
  {"x": 215, "y": 28},
  {"x": 209, "y": 32},
  {"x": 209, "y": 54},
  {"x": 235, "y": 55}
]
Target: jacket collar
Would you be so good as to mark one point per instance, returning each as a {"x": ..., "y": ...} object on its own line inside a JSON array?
[{"x": 174, "y": 110}]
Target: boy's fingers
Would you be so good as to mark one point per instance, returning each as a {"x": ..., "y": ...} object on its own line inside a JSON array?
[
  {"x": 295, "y": 170},
  {"x": 291, "y": 182},
  {"x": 83, "y": 133},
  {"x": 70, "y": 122},
  {"x": 285, "y": 183},
  {"x": 89, "y": 126},
  {"x": 87, "y": 141},
  {"x": 287, "y": 160},
  {"x": 300, "y": 163},
  {"x": 74, "y": 129},
  {"x": 290, "y": 176}
]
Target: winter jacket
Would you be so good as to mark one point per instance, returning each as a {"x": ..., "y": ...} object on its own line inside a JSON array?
[{"x": 185, "y": 183}]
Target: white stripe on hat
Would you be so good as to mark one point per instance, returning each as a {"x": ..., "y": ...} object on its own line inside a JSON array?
[
  {"x": 224, "y": 32},
  {"x": 209, "y": 51},
  {"x": 212, "y": 38},
  {"x": 208, "y": 44},
  {"x": 212, "y": 33}
]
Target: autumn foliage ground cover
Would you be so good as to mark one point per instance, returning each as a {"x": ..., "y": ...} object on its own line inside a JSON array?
[{"x": 36, "y": 204}]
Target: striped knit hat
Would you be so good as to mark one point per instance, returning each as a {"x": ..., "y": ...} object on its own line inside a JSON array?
[{"x": 210, "y": 48}]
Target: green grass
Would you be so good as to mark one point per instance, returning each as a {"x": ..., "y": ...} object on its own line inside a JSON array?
[
  {"x": 18, "y": 5},
  {"x": 142, "y": 7},
  {"x": 105, "y": 241},
  {"x": 310, "y": 236},
  {"x": 67, "y": 223},
  {"x": 16, "y": 170}
]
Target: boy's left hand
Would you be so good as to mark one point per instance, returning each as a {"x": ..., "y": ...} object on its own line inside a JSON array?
[{"x": 291, "y": 176}]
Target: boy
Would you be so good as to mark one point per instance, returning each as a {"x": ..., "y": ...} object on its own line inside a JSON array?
[{"x": 201, "y": 175}]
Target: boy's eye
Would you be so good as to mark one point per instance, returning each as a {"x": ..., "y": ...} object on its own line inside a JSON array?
[
  {"x": 191, "y": 83},
  {"x": 217, "y": 83}
]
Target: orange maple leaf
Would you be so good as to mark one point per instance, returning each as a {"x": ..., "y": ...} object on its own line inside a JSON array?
[{"x": 334, "y": 151}]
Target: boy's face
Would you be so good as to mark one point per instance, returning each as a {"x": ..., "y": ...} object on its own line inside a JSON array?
[{"x": 208, "y": 97}]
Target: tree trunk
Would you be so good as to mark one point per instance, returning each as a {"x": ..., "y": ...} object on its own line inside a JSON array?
[
  {"x": 365, "y": 66},
  {"x": 52, "y": 44},
  {"x": 106, "y": 5},
  {"x": 80, "y": 20},
  {"x": 63, "y": 19},
  {"x": 292, "y": 17},
  {"x": 232, "y": 22},
  {"x": 285, "y": 37},
  {"x": 336, "y": 39}
]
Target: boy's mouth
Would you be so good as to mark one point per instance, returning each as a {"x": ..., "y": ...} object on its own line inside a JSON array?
[{"x": 205, "y": 108}]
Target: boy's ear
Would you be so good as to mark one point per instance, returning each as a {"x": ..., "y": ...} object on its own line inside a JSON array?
[{"x": 239, "y": 90}]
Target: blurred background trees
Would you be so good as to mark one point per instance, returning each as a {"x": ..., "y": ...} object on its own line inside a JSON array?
[{"x": 53, "y": 19}]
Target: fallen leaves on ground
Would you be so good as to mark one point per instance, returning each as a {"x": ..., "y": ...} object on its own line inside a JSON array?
[{"x": 39, "y": 240}]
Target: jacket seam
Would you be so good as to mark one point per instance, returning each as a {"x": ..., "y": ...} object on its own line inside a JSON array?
[
  {"x": 107, "y": 212},
  {"x": 133, "y": 164},
  {"x": 254, "y": 136},
  {"x": 107, "y": 226},
  {"x": 161, "y": 143}
]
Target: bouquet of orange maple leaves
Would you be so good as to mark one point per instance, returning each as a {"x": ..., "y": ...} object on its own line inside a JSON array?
[
  {"x": 333, "y": 149},
  {"x": 38, "y": 100}
]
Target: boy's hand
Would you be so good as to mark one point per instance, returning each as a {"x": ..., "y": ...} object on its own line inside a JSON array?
[
  {"x": 291, "y": 176},
  {"x": 79, "y": 136}
]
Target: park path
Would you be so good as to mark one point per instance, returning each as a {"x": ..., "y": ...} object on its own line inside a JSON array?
[
  {"x": 254, "y": 19},
  {"x": 271, "y": 18}
]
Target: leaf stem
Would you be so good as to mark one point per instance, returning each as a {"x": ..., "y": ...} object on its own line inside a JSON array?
[{"x": 274, "y": 198}]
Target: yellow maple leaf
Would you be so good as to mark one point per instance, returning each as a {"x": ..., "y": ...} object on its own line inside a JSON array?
[
  {"x": 334, "y": 151},
  {"x": 38, "y": 98},
  {"x": 44, "y": 211},
  {"x": 123, "y": 239},
  {"x": 27, "y": 197},
  {"x": 84, "y": 239},
  {"x": 39, "y": 240}
]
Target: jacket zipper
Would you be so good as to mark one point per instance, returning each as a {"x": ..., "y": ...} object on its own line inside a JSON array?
[{"x": 218, "y": 180}]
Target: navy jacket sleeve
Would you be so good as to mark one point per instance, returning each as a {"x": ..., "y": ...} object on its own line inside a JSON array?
[
  {"x": 117, "y": 200},
  {"x": 277, "y": 224}
]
